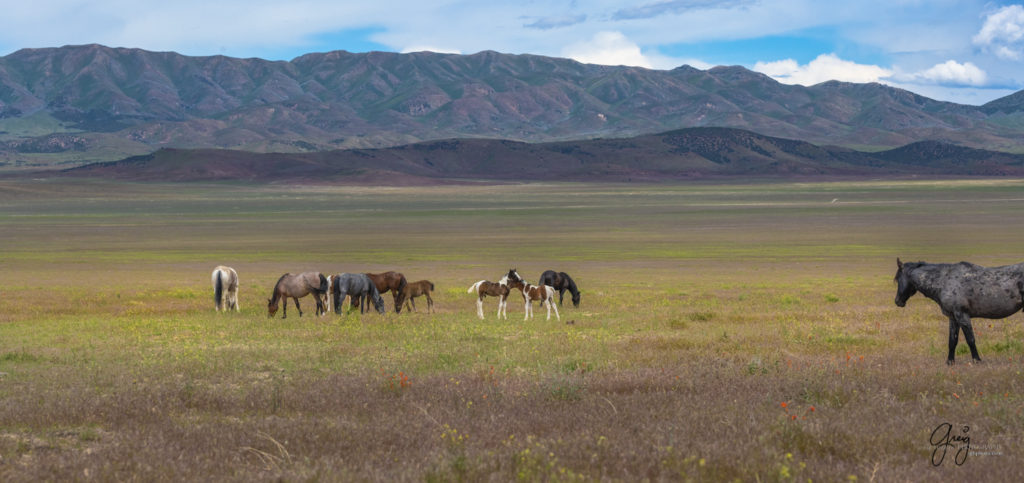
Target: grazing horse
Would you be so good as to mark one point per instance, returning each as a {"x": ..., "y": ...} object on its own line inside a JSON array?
[
  {"x": 963, "y": 290},
  {"x": 544, "y": 293},
  {"x": 358, "y": 286},
  {"x": 561, "y": 281},
  {"x": 415, "y": 289},
  {"x": 225, "y": 288},
  {"x": 393, "y": 281},
  {"x": 296, "y": 286},
  {"x": 484, "y": 288}
]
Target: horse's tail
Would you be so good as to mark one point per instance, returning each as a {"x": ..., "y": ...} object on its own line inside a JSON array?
[
  {"x": 218, "y": 289},
  {"x": 324, "y": 284},
  {"x": 475, "y": 287}
]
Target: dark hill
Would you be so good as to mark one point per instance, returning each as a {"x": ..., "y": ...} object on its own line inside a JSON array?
[{"x": 681, "y": 154}]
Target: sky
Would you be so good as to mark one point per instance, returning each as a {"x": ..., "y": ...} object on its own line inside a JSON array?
[{"x": 964, "y": 51}]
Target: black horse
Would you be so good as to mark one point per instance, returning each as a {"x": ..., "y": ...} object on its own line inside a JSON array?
[
  {"x": 358, "y": 286},
  {"x": 561, "y": 281},
  {"x": 963, "y": 290}
]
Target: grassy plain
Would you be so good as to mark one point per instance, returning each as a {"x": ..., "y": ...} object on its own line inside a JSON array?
[{"x": 726, "y": 332}]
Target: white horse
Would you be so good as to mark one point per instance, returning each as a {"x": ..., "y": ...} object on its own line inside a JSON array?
[{"x": 225, "y": 288}]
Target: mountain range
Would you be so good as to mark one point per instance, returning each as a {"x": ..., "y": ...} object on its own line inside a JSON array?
[{"x": 72, "y": 105}]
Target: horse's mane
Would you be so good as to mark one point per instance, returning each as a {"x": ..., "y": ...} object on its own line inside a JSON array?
[
  {"x": 571, "y": 282},
  {"x": 274, "y": 296}
]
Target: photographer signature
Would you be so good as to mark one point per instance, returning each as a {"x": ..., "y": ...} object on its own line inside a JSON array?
[{"x": 942, "y": 440}]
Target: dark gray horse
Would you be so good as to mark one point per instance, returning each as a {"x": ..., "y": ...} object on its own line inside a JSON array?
[
  {"x": 561, "y": 281},
  {"x": 358, "y": 286},
  {"x": 963, "y": 290}
]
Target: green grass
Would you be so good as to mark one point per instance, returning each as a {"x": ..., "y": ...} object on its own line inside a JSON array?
[{"x": 726, "y": 332}]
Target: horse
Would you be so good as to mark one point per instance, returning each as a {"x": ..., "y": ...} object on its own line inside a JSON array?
[
  {"x": 225, "y": 288},
  {"x": 561, "y": 281},
  {"x": 415, "y": 289},
  {"x": 393, "y": 281},
  {"x": 544, "y": 293},
  {"x": 297, "y": 286},
  {"x": 963, "y": 290},
  {"x": 484, "y": 288},
  {"x": 358, "y": 286}
]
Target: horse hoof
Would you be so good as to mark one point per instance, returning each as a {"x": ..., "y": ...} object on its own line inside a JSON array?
[{"x": 950, "y": 362}]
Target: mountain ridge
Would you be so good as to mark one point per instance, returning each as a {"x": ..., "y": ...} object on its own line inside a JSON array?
[{"x": 121, "y": 102}]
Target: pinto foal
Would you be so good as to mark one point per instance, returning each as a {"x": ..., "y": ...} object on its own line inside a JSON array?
[
  {"x": 484, "y": 288},
  {"x": 543, "y": 293}
]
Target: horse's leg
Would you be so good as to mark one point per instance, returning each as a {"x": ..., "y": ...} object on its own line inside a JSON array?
[
  {"x": 954, "y": 337},
  {"x": 297, "y": 307},
  {"x": 480, "y": 307},
  {"x": 561, "y": 293},
  {"x": 551, "y": 305},
  {"x": 430, "y": 304},
  {"x": 965, "y": 325}
]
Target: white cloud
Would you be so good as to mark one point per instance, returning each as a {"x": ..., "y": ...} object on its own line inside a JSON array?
[
  {"x": 952, "y": 72},
  {"x": 823, "y": 68},
  {"x": 1003, "y": 33},
  {"x": 428, "y": 48},
  {"x": 608, "y": 48}
]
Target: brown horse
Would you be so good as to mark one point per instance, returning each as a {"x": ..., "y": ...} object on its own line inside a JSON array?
[
  {"x": 296, "y": 286},
  {"x": 484, "y": 288},
  {"x": 543, "y": 293},
  {"x": 415, "y": 289},
  {"x": 393, "y": 281}
]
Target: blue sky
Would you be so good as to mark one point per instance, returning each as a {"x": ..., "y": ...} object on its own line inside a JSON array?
[{"x": 961, "y": 51}]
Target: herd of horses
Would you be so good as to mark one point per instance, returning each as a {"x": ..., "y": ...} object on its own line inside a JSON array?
[
  {"x": 364, "y": 289},
  {"x": 961, "y": 290}
]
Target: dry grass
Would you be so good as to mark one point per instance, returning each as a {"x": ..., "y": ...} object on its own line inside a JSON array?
[{"x": 726, "y": 332}]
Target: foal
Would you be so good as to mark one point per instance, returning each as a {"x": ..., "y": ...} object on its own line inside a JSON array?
[
  {"x": 484, "y": 288},
  {"x": 415, "y": 289},
  {"x": 544, "y": 293}
]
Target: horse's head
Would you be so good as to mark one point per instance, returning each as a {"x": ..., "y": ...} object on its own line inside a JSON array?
[
  {"x": 378, "y": 303},
  {"x": 904, "y": 285},
  {"x": 271, "y": 307},
  {"x": 513, "y": 275},
  {"x": 576, "y": 300}
]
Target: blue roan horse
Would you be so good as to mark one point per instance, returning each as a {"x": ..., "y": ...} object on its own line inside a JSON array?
[
  {"x": 963, "y": 290},
  {"x": 358, "y": 286}
]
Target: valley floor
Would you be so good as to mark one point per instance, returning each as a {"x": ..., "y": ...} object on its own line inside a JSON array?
[{"x": 741, "y": 331}]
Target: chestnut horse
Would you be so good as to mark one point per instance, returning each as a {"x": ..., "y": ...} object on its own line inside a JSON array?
[
  {"x": 484, "y": 288},
  {"x": 297, "y": 286},
  {"x": 393, "y": 281},
  {"x": 544, "y": 293},
  {"x": 415, "y": 289},
  {"x": 225, "y": 288}
]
